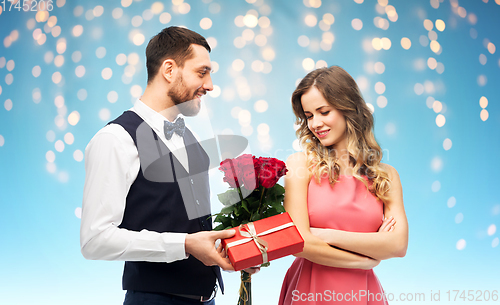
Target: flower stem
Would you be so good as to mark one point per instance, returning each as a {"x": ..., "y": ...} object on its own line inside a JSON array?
[
  {"x": 239, "y": 193},
  {"x": 245, "y": 289},
  {"x": 236, "y": 179},
  {"x": 262, "y": 191}
]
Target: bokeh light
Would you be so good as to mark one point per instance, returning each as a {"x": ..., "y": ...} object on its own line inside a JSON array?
[
  {"x": 436, "y": 185},
  {"x": 308, "y": 64},
  {"x": 74, "y": 118},
  {"x": 405, "y": 43},
  {"x": 452, "y": 201},
  {"x": 484, "y": 115},
  {"x": 483, "y": 102},
  {"x": 311, "y": 20},
  {"x": 461, "y": 244},
  {"x": 447, "y": 144},
  {"x": 78, "y": 155},
  {"x": 69, "y": 138},
  {"x": 440, "y": 120},
  {"x": 80, "y": 71},
  {"x": 357, "y": 24},
  {"x": 238, "y": 64},
  {"x": 380, "y": 88},
  {"x": 261, "y": 106},
  {"x": 382, "y": 101},
  {"x": 206, "y": 23},
  {"x": 36, "y": 71},
  {"x": 8, "y": 105}
]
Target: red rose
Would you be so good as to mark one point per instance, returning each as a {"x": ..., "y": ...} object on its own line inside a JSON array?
[
  {"x": 241, "y": 171},
  {"x": 246, "y": 171},
  {"x": 230, "y": 172},
  {"x": 250, "y": 172},
  {"x": 270, "y": 171}
]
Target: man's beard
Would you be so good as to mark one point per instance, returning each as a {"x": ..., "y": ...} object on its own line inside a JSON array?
[{"x": 186, "y": 102}]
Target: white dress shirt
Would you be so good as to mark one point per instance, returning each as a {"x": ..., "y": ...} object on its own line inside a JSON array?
[{"x": 112, "y": 165}]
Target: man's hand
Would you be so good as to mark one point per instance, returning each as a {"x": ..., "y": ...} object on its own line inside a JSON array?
[
  {"x": 252, "y": 270},
  {"x": 202, "y": 246},
  {"x": 223, "y": 254}
]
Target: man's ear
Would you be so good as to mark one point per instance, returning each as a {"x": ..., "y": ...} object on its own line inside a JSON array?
[{"x": 168, "y": 70}]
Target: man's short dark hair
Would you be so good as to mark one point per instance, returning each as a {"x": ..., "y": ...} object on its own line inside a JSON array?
[{"x": 174, "y": 43}]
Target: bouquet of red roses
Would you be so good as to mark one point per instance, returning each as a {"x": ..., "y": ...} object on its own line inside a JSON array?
[{"x": 254, "y": 195}]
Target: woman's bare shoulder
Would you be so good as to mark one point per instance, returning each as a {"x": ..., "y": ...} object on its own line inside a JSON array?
[
  {"x": 391, "y": 172},
  {"x": 297, "y": 166},
  {"x": 298, "y": 157}
]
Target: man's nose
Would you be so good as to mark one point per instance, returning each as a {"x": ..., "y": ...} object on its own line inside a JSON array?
[{"x": 207, "y": 85}]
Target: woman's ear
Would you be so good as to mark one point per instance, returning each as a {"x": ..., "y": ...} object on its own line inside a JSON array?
[{"x": 168, "y": 70}]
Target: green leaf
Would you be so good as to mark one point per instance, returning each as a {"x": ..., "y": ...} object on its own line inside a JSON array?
[
  {"x": 227, "y": 210},
  {"x": 253, "y": 203},
  {"x": 275, "y": 204},
  {"x": 276, "y": 193},
  {"x": 271, "y": 192},
  {"x": 235, "y": 222},
  {"x": 279, "y": 189},
  {"x": 219, "y": 227},
  {"x": 280, "y": 209},
  {"x": 244, "y": 204},
  {"x": 256, "y": 217},
  {"x": 270, "y": 212},
  {"x": 223, "y": 220},
  {"x": 266, "y": 264},
  {"x": 229, "y": 197},
  {"x": 219, "y": 218},
  {"x": 237, "y": 210}
]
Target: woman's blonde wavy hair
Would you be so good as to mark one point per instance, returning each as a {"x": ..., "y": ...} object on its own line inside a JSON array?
[{"x": 341, "y": 91}]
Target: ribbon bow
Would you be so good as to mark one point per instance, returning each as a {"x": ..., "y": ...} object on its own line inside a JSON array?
[
  {"x": 248, "y": 230},
  {"x": 178, "y": 127}
]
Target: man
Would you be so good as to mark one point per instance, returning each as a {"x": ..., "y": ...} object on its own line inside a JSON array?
[{"x": 146, "y": 196}]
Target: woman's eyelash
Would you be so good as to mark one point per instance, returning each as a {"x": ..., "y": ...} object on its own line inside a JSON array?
[{"x": 323, "y": 113}]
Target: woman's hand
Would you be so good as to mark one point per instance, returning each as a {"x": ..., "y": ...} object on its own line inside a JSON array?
[{"x": 387, "y": 225}]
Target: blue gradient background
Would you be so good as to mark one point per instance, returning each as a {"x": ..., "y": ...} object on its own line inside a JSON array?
[{"x": 40, "y": 260}]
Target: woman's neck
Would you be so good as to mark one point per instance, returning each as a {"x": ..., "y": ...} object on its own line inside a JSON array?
[{"x": 343, "y": 160}]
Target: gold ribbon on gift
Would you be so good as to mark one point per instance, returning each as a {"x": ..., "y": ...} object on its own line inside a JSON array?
[{"x": 248, "y": 230}]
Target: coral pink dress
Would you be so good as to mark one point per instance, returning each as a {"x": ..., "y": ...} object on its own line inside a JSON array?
[{"x": 348, "y": 206}]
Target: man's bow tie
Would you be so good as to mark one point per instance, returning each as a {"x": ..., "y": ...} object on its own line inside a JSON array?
[{"x": 178, "y": 127}]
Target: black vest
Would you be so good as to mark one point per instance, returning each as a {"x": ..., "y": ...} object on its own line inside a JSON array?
[{"x": 159, "y": 206}]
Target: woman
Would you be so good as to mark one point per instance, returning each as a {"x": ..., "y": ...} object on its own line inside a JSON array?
[{"x": 344, "y": 202}]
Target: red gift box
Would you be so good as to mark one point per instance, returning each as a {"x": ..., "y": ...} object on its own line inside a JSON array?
[{"x": 247, "y": 248}]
